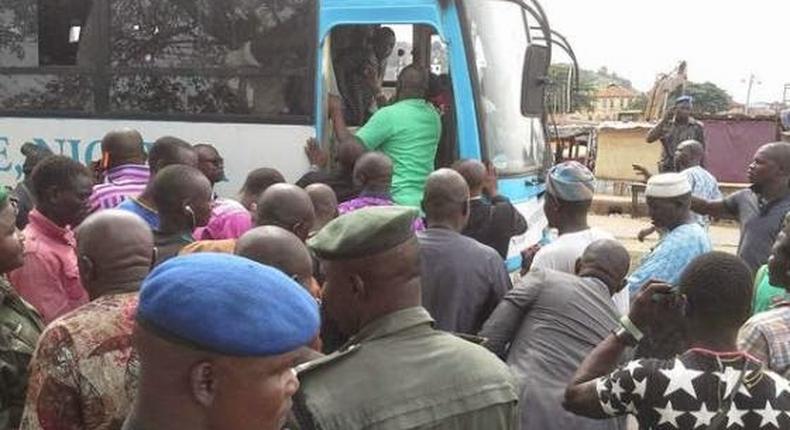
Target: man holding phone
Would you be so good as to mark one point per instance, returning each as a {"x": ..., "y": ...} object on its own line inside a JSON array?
[{"x": 675, "y": 127}]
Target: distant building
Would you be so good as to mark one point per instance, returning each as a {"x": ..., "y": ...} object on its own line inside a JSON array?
[{"x": 611, "y": 100}]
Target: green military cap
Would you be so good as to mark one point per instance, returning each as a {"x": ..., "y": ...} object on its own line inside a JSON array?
[{"x": 364, "y": 232}]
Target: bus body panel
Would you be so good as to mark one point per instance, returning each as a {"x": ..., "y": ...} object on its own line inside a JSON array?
[{"x": 244, "y": 146}]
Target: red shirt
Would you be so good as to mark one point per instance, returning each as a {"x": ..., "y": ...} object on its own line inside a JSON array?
[{"x": 50, "y": 278}]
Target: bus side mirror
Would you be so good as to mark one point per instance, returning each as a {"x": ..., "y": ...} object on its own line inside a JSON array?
[{"x": 534, "y": 81}]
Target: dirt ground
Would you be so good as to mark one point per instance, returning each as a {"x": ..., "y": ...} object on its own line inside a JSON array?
[{"x": 724, "y": 235}]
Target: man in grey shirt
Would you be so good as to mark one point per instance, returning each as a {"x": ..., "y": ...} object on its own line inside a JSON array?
[
  {"x": 462, "y": 279},
  {"x": 546, "y": 326},
  {"x": 760, "y": 209}
]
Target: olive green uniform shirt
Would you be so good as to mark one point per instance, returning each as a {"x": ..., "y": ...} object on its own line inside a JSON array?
[
  {"x": 408, "y": 132},
  {"x": 20, "y": 327},
  {"x": 400, "y": 373}
]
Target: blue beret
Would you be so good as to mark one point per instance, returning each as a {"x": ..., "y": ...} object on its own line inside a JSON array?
[{"x": 229, "y": 305}]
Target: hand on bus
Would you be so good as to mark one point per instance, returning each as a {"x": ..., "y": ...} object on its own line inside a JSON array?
[
  {"x": 490, "y": 181},
  {"x": 315, "y": 155},
  {"x": 334, "y": 106}
]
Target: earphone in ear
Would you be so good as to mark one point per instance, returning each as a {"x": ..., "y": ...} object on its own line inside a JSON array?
[{"x": 188, "y": 209}]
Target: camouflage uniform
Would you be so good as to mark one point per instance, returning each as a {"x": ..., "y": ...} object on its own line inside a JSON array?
[{"x": 20, "y": 327}]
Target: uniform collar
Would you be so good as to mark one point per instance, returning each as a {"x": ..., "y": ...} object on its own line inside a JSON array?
[
  {"x": 50, "y": 229},
  {"x": 393, "y": 323}
]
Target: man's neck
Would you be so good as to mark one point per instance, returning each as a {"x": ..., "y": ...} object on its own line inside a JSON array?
[
  {"x": 444, "y": 225},
  {"x": 164, "y": 418},
  {"x": 170, "y": 227},
  {"x": 715, "y": 343},
  {"x": 109, "y": 288},
  {"x": 775, "y": 190},
  {"x": 48, "y": 215},
  {"x": 377, "y": 190},
  {"x": 573, "y": 226}
]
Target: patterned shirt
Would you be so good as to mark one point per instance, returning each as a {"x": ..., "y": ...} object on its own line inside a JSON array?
[
  {"x": 704, "y": 186},
  {"x": 121, "y": 183},
  {"x": 767, "y": 337},
  {"x": 369, "y": 199},
  {"x": 84, "y": 372},
  {"x": 229, "y": 220},
  {"x": 686, "y": 392},
  {"x": 49, "y": 280},
  {"x": 670, "y": 256}
]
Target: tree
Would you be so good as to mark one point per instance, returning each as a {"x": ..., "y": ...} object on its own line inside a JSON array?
[{"x": 708, "y": 97}]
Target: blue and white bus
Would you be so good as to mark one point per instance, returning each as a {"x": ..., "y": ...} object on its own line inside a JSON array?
[{"x": 252, "y": 78}]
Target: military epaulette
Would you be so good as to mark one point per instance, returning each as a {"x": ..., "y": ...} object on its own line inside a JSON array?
[
  {"x": 330, "y": 358},
  {"x": 477, "y": 340}
]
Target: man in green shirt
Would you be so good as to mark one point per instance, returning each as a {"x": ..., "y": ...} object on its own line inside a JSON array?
[
  {"x": 408, "y": 131},
  {"x": 397, "y": 371}
]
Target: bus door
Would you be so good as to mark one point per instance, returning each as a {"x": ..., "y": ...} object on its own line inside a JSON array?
[{"x": 426, "y": 33}]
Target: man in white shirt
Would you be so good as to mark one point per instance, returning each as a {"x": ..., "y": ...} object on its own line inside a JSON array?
[{"x": 569, "y": 192}]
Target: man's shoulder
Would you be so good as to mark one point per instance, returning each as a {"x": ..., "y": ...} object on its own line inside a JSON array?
[
  {"x": 445, "y": 369},
  {"x": 777, "y": 316}
]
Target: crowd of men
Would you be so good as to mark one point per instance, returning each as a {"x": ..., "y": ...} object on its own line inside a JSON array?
[{"x": 135, "y": 297}]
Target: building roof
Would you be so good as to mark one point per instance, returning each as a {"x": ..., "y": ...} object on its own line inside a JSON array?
[{"x": 614, "y": 90}]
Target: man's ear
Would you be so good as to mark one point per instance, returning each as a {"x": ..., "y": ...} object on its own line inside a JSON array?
[
  {"x": 202, "y": 382},
  {"x": 87, "y": 268},
  {"x": 358, "y": 288}
]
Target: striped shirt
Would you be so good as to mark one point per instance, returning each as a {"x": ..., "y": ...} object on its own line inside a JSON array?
[{"x": 122, "y": 182}]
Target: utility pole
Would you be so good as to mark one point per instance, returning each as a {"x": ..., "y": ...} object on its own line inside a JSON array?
[
  {"x": 752, "y": 82},
  {"x": 749, "y": 94}
]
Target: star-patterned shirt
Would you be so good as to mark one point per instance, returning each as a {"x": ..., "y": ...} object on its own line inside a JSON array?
[{"x": 685, "y": 393}]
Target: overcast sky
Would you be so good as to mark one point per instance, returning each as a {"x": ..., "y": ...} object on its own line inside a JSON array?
[{"x": 722, "y": 41}]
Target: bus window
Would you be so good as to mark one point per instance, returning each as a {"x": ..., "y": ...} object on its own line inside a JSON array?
[
  {"x": 221, "y": 60},
  {"x": 361, "y": 55},
  {"x": 41, "y": 33},
  {"x": 212, "y": 56},
  {"x": 403, "y": 52}
]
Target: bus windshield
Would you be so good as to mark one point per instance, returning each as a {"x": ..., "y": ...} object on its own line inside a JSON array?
[{"x": 497, "y": 31}]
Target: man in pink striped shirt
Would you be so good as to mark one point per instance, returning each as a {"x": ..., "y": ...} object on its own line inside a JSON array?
[
  {"x": 125, "y": 172},
  {"x": 229, "y": 218}
]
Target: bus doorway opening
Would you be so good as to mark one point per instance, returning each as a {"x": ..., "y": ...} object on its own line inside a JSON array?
[{"x": 366, "y": 63}]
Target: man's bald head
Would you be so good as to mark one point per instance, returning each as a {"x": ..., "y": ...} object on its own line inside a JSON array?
[
  {"x": 474, "y": 173},
  {"x": 413, "y": 83},
  {"x": 607, "y": 260},
  {"x": 286, "y": 206},
  {"x": 181, "y": 194},
  {"x": 324, "y": 203},
  {"x": 124, "y": 146},
  {"x": 277, "y": 247},
  {"x": 168, "y": 151},
  {"x": 348, "y": 153},
  {"x": 446, "y": 200},
  {"x": 779, "y": 152},
  {"x": 373, "y": 172},
  {"x": 115, "y": 251}
]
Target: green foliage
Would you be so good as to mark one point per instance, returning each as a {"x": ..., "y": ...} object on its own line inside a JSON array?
[{"x": 708, "y": 97}]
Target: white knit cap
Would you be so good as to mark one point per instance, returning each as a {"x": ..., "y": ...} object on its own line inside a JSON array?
[{"x": 667, "y": 185}]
